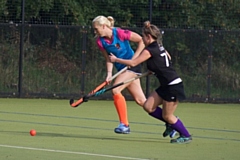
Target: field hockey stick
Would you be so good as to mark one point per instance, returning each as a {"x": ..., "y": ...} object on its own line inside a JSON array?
[
  {"x": 85, "y": 98},
  {"x": 78, "y": 102}
]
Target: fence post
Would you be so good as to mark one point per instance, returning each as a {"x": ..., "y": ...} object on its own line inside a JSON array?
[
  {"x": 21, "y": 47},
  {"x": 84, "y": 51},
  {"x": 150, "y": 19},
  {"x": 209, "y": 74}
]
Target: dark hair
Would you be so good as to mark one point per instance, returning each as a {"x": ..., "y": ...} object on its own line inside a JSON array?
[{"x": 152, "y": 30}]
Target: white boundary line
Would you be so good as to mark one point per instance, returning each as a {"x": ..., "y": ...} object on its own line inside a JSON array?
[{"x": 70, "y": 152}]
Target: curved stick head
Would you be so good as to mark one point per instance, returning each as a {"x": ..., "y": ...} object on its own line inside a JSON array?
[
  {"x": 71, "y": 101},
  {"x": 75, "y": 104}
]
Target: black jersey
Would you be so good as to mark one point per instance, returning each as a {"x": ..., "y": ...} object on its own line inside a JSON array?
[{"x": 160, "y": 64}]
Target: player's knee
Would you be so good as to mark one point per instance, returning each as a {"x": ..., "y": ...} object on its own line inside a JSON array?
[
  {"x": 167, "y": 118},
  {"x": 148, "y": 108},
  {"x": 140, "y": 102},
  {"x": 116, "y": 91}
]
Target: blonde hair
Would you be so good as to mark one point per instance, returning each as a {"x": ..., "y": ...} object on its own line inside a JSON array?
[
  {"x": 152, "y": 30},
  {"x": 102, "y": 20}
]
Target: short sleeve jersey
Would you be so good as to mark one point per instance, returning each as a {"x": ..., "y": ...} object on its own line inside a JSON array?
[
  {"x": 160, "y": 64},
  {"x": 119, "y": 45}
]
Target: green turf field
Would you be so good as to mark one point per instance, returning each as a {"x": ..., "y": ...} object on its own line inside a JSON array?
[{"x": 86, "y": 132}]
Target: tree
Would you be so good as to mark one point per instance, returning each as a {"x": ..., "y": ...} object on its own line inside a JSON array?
[{"x": 201, "y": 14}]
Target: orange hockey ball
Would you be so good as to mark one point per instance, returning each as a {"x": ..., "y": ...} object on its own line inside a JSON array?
[{"x": 33, "y": 132}]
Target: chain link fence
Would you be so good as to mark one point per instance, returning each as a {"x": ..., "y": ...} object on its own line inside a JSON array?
[{"x": 56, "y": 58}]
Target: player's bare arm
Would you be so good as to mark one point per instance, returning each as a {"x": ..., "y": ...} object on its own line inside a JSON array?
[
  {"x": 132, "y": 62},
  {"x": 109, "y": 65},
  {"x": 134, "y": 37}
]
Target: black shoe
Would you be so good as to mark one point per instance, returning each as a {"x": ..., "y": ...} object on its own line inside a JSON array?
[{"x": 169, "y": 131}]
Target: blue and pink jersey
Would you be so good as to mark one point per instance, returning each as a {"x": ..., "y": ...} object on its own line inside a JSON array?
[{"x": 119, "y": 45}]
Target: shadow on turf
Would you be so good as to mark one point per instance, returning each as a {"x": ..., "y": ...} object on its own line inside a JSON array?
[{"x": 122, "y": 137}]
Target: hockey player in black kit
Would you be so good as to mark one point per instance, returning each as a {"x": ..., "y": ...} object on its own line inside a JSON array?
[{"x": 171, "y": 89}]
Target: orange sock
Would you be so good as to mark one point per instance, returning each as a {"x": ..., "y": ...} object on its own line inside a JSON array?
[{"x": 121, "y": 107}]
